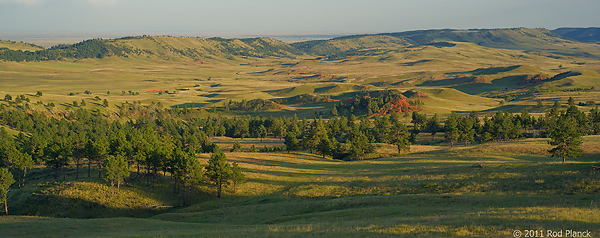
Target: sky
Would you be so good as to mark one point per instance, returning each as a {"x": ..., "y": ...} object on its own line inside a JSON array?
[{"x": 222, "y": 17}]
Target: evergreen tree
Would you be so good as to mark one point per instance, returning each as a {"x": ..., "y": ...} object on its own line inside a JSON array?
[
  {"x": 187, "y": 172},
  {"x": 262, "y": 132},
  {"x": 399, "y": 136},
  {"x": 451, "y": 128},
  {"x": 556, "y": 105},
  {"x": 325, "y": 146},
  {"x": 567, "y": 139},
  {"x": 6, "y": 179},
  {"x": 359, "y": 144},
  {"x": 116, "y": 170},
  {"x": 96, "y": 149},
  {"x": 21, "y": 162},
  {"x": 466, "y": 130},
  {"x": 7, "y": 97},
  {"x": 291, "y": 143},
  {"x": 278, "y": 128},
  {"x": 539, "y": 104},
  {"x": 313, "y": 137},
  {"x": 418, "y": 119},
  {"x": 237, "y": 147},
  {"x": 237, "y": 177},
  {"x": 571, "y": 101},
  {"x": 253, "y": 149},
  {"x": 219, "y": 171},
  {"x": 433, "y": 125}
]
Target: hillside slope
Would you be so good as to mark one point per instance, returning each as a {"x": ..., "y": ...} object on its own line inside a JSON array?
[
  {"x": 589, "y": 35},
  {"x": 12, "y": 45},
  {"x": 162, "y": 46},
  {"x": 538, "y": 40},
  {"x": 349, "y": 43}
]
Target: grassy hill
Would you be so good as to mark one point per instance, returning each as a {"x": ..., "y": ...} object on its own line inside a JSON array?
[
  {"x": 12, "y": 45},
  {"x": 590, "y": 34},
  {"x": 159, "y": 69},
  {"x": 538, "y": 40},
  {"x": 349, "y": 44},
  {"x": 168, "y": 48},
  {"x": 433, "y": 190}
]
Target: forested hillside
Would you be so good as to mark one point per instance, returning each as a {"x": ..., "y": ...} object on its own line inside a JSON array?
[{"x": 174, "y": 47}]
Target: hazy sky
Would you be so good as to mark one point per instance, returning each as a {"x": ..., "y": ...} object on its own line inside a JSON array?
[{"x": 286, "y": 16}]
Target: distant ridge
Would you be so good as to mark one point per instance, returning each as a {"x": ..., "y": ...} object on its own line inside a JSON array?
[
  {"x": 166, "y": 47},
  {"x": 537, "y": 39},
  {"x": 562, "y": 41},
  {"x": 589, "y": 35}
]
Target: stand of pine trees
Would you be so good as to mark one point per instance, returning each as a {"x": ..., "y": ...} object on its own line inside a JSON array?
[{"x": 164, "y": 140}]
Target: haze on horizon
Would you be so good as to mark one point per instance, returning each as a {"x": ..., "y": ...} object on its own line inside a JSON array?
[{"x": 280, "y": 17}]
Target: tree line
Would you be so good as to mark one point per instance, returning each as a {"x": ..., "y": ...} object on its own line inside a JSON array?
[
  {"x": 93, "y": 48},
  {"x": 167, "y": 140},
  {"x": 113, "y": 147}
]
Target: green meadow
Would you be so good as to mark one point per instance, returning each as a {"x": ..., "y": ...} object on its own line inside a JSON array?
[{"x": 433, "y": 191}]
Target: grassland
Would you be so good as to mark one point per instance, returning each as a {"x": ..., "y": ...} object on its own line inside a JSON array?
[
  {"x": 12, "y": 45},
  {"x": 434, "y": 191},
  {"x": 211, "y": 82}
]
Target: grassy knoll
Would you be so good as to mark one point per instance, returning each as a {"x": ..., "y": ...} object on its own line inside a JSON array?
[
  {"x": 433, "y": 191},
  {"x": 12, "y": 45}
]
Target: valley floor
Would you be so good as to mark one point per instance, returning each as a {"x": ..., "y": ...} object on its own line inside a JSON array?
[{"x": 433, "y": 191}]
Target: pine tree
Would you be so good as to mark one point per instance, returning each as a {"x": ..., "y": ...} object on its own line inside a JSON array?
[
  {"x": 219, "y": 171},
  {"x": 116, "y": 170},
  {"x": 21, "y": 162},
  {"x": 418, "y": 120},
  {"x": 237, "y": 177},
  {"x": 566, "y": 137},
  {"x": 187, "y": 172},
  {"x": 399, "y": 136},
  {"x": 325, "y": 146},
  {"x": 237, "y": 147},
  {"x": 359, "y": 144},
  {"x": 278, "y": 128},
  {"x": 451, "y": 128},
  {"x": 433, "y": 125},
  {"x": 539, "y": 104},
  {"x": 291, "y": 143},
  {"x": 571, "y": 101},
  {"x": 466, "y": 130},
  {"x": 6, "y": 179},
  {"x": 262, "y": 132}
]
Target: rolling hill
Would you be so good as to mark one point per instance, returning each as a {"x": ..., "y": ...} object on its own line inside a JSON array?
[
  {"x": 164, "y": 47},
  {"x": 12, "y": 45},
  {"x": 560, "y": 42},
  {"x": 539, "y": 39},
  {"x": 589, "y": 35},
  {"x": 485, "y": 189}
]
